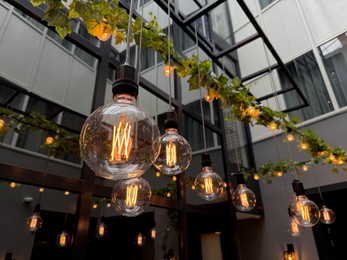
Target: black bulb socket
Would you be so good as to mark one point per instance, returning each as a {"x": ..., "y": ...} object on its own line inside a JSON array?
[
  {"x": 37, "y": 208},
  {"x": 206, "y": 160},
  {"x": 125, "y": 82},
  {"x": 298, "y": 187},
  {"x": 290, "y": 248},
  {"x": 170, "y": 120},
  {"x": 240, "y": 178}
]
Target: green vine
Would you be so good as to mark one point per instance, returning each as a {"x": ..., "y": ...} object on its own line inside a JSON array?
[{"x": 102, "y": 17}]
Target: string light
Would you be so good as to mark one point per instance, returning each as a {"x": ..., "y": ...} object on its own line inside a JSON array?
[{"x": 13, "y": 185}]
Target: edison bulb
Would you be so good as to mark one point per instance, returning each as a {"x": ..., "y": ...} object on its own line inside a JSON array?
[
  {"x": 168, "y": 70},
  {"x": 175, "y": 153},
  {"x": 131, "y": 197},
  {"x": 153, "y": 233},
  {"x": 243, "y": 198},
  {"x": 303, "y": 146},
  {"x": 118, "y": 140},
  {"x": 327, "y": 216},
  {"x": 208, "y": 184},
  {"x": 290, "y": 137},
  {"x": 294, "y": 229},
  {"x": 63, "y": 239},
  {"x": 305, "y": 211},
  {"x": 104, "y": 36},
  {"x": 140, "y": 240},
  {"x": 34, "y": 222},
  {"x": 101, "y": 230},
  {"x": 273, "y": 126}
]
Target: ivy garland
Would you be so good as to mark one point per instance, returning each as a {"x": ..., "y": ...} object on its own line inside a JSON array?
[{"x": 101, "y": 17}]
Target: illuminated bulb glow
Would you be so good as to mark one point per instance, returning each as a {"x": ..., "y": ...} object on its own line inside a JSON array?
[
  {"x": 171, "y": 155},
  {"x": 2, "y": 123},
  {"x": 49, "y": 140},
  {"x": 104, "y": 36},
  {"x": 208, "y": 98},
  {"x": 290, "y": 138},
  {"x": 62, "y": 240},
  {"x": 41, "y": 189},
  {"x": 66, "y": 193},
  {"x": 256, "y": 177},
  {"x": 244, "y": 199},
  {"x": 273, "y": 126},
  {"x": 326, "y": 216},
  {"x": 157, "y": 174},
  {"x": 303, "y": 146},
  {"x": 153, "y": 233},
  {"x": 121, "y": 142},
  {"x": 139, "y": 239},
  {"x": 12, "y": 184},
  {"x": 305, "y": 168},
  {"x": 33, "y": 223},
  {"x": 208, "y": 185},
  {"x": 295, "y": 227},
  {"x": 289, "y": 256},
  {"x": 168, "y": 70},
  {"x": 131, "y": 195},
  {"x": 108, "y": 205},
  {"x": 304, "y": 211},
  {"x": 101, "y": 230}
]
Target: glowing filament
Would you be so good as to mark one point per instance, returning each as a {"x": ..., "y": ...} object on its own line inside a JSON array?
[
  {"x": 326, "y": 216},
  {"x": 131, "y": 197},
  {"x": 62, "y": 240},
  {"x": 171, "y": 155},
  {"x": 33, "y": 223},
  {"x": 244, "y": 199},
  {"x": 139, "y": 239},
  {"x": 208, "y": 185},
  {"x": 121, "y": 142},
  {"x": 305, "y": 213},
  {"x": 153, "y": 233},
  {"x": 295, "y": 228},
  {"x": 101, "y": 230}
]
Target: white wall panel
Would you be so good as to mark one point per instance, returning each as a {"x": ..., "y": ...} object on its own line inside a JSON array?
[
  {"x": 238, "y": 18},
  {"x": 52, "y": 73},
  {"x": 3, "y": 12},
  {"x": 285, "y": 29},
  {"x": 79, "y": 94},
  {"x": 326, "y": 18},
  {"x": 18, "y": 59}
]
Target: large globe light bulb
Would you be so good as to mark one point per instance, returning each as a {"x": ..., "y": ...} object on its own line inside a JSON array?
[
  {"x": 34, "y": 222},
  {"x": 131, "y": 197},
  {"x": 327, "y": 216},
  {"x": 293, "y": 228},
  {"x": 175, "y": 152},
  {"x": 119, "y": 140},
  {"x": 304, "y": 211},
  {"x": 208, "y": 184},
  {"x": 243, "y": 198}
]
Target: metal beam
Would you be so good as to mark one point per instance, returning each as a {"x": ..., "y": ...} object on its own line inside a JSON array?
[
  {"x": 260, "y": 72},
  {"x": 202, "y": 11}
]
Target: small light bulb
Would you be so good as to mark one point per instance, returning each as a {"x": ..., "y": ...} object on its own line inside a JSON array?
[
  {"x": 2, "y": 123},
  {"x": 63, "y": 239},
  {"x": 303, "y": 146},
  {"x": 95, "y": 206},
  {"x": 34, "y": 222},
  {"x": 327, "y": 215},
  {"x": 290, "y": 137},
  {"x": 108, "y": 205},
  {"x": 101, "y": 230},
  {"x": 12, "y": 185},
  {"x": 293, "y": 228},
  {"x": 66, "y": 193},
  {"x": 279, "y": 173},
  {"x": 153, "y": 233},
  {"x": 273, "y": 126},
  {"x": 104, "y": 36},
  {"x": 253, "y": 112},
  {"x": 208, "y": 184},
  {"x": 305, "y": 168},
  {"x": 168, "y": 194},
  {"x": 340, "y": 161},
  {"x": 174, "y": 178},
  {"x": 225, "y": 185},
  {"x": 256, "y": 177},
  {"x": 168, "y": 70},
  {"x": 193, "y": 187},
  {"x": 49, "y": 140},
  {"x": 209, "y": 98},
  {"x": 41, "y": 189},
  {"x": 157, "y": 174},
  {"x": 140, "y": 240},
  {"x": 243, "y": 198}
]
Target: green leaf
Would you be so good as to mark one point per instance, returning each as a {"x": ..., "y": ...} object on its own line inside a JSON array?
[{"x": 38, "y": 2}]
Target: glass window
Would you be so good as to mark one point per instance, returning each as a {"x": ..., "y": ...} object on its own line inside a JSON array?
[
  {"x": 306, "y": 73},
  {"x": 85, "y": 56},
  {"x": 182, "y": 40},
  {"x": 265, "y": 3},
  {"x": 147, "y": 58},
  {"x": 334, "y": 54},
  {"x": 65, "y": 43}
]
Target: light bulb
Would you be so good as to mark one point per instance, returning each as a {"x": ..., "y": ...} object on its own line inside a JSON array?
[
  {"x": 66, "y": 193},
  {"x": 101, "y": 230},
  {"x": 294, "y": 229},
  {"x": 63, "y": 239},
  {"x": 168, "y": 70},
  {"x": 253, "y": 112},
  {"x": 131, "y": 197},
  {"x": 2, "y": 123},
  {"x": 327, "y": 216},
  {"x": 305, "y": 211},
  {"x": 256, "y": 177},
  {"x": 290, "y": 137},
  {"x": 243, "y": 198},
  {"x": 273, "y": 126},
  {"x": 13, "y": 185},
  {"x": 119, "y": 140},
  {"x": 208, "y": 184},
  {"x": 104, "y": 36},
  {"x": 303, "y": 146},
  {"x": 209, "y": 98},
  {"x": 34, "y": 222},
  {"x": 153, "y": 233},
  {"x": 305, "y": 168},
  {"x": 279, "y": 173},
  {"x": 140, "y": 240},
  {"x": 210, "y": 95},
  {"x": 108, "y": 205},
  {"x": 175, "y": 153},
  {"x": 289, "y": 254},
  {"x": 41, "y": 189},
  {"x": 49, "y": 140}
]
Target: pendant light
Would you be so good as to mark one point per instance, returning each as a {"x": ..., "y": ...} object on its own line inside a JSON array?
[
  {"x": 304, "y": 211},
  {"x": 101, "y": 229},
  {"x": 327, "y": 215},
  {"x": 34, "y": 222},
  {"x": 63, "y": 239},
  {"x": 153, "y": 233},
  {"x": 289, "y": 254},
  {"x": 131, "y": 197},
  {"x": 293, "y": 228},
  {"x": 208, "y": 184},
  {"x": 175, "y": 152},
  {"x": 118, "y": 140},
  {"x": 243, "y": 198},
  {"x": 140, "y": 240}
]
